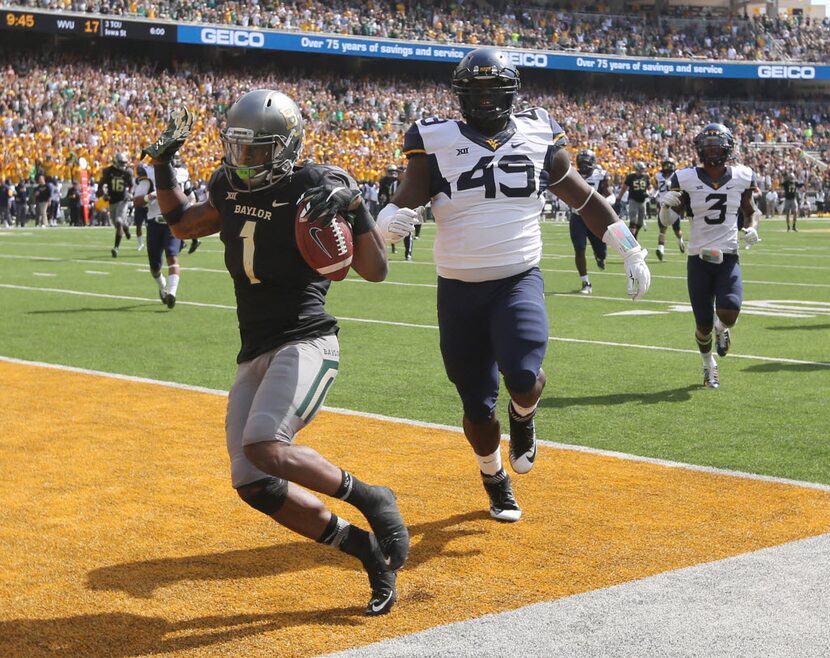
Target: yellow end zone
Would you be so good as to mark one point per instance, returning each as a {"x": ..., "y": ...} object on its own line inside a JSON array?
[{"x": 121, "y": 535}]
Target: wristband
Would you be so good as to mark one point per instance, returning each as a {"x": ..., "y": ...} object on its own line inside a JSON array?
[
  {"x": 174, "y": 216},
  {"x": 165, "y": 176},
  {"x": 362, "y": 221}
]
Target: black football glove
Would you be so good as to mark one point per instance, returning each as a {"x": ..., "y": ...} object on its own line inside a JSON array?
[
  {"x": 322, "y": 203},
  {"x": 174, "y": 135}
]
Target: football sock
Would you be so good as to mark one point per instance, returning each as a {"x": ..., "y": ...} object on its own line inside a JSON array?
[
  {"x": 160, "y": 281},
  {"x": 490, "y": 464},
  {"x": 585, "y": 279},
  {"x": 340, "y": 534},
  {"x": 523, "y": 411},
  {"x": 173, "y": 284},
  {"x": 708, "y": 359},
  {"x": 352, "y": 490}
]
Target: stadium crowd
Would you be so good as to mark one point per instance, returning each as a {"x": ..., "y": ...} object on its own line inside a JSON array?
[
  {"x": 682, "y": 32},
  {"x": 53, "y": 114}
]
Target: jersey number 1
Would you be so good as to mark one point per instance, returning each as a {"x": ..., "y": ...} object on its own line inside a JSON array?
[{"x": 247, "y": 235}]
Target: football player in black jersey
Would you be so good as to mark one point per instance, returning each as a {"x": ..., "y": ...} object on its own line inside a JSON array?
[
  {"x": 790, "y": 187},
  {"x": 115, "y": 186},
  {"x": 290, "y": 354}
]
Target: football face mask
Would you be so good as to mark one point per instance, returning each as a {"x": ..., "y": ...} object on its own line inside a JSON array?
[{"x": 255, "y": 162}]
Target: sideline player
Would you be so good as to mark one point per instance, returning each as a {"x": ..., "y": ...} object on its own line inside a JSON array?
[
  {"x": 486, "y": 177},
  {"x": 115, "y": 185},
  {"x": 661, "y": 183},
  {"x": 714, "y": 193},
  {"x": 290, "y": 354}
]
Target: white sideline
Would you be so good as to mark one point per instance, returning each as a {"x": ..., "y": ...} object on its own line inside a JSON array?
[{"x": 426, "y": 425}]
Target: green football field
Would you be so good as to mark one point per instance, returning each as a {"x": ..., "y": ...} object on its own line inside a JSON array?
[{"x": 622, "y": 376}]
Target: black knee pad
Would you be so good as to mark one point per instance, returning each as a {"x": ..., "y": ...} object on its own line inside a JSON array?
[{"x": 266, "y": 496}]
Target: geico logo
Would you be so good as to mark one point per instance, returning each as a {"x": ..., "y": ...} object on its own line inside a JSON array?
[
  {"x": 529, "y": 59},
  {"x": 221, "y": 37},
  {"x": 792, "y": 72}
]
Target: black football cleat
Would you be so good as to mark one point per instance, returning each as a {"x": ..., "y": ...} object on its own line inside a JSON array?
[
  {"x": 127, "y": 234},
  {"x": 723, "y": 341},
  {"x": 194, "y": 245},
  {"x": 386, "y": 521},
  {"x": 601, "y": 263},
  {"x": 171, "y": 300},
  {"x": 163, "y": 297},
  {"x": 114, "y": 252},
  {"x": 522, "y": 440},
  {"x": 383, "y": 581},
  {"x": 503, "y": 505}
]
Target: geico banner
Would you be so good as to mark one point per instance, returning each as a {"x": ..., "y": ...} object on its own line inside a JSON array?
[{"x": 421, "y": 51}]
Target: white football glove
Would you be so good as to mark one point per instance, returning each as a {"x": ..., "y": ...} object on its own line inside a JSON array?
[
  {"x": 672, "y": 199},
  {"x": 396, "y": 223},
  {"x": 750, "y": 235},
  {"x": 619, "y": 236},
  {"x": 667, "y": 216}
]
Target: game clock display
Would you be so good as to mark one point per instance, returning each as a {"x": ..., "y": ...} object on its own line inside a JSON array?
[{"x": 85, "y": 26}]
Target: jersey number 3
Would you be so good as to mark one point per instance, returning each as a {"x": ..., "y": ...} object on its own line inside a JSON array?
[
  {"x": 484, "y": 175},
  {"x": 719, "y": 205}
]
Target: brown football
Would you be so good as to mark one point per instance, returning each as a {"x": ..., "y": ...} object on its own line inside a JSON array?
[{"x": 328, "y": 250}]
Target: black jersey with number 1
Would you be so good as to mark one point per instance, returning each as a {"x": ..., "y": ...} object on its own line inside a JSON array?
[{"x": 279, "y": 298}]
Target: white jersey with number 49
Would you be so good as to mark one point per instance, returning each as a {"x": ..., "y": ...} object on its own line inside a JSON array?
[
  {"x": 487, "y": 192},
  {"x": 714, "y": 205}
]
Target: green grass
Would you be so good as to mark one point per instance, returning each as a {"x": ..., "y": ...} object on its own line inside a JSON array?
[{"x": 769, "y": 416}]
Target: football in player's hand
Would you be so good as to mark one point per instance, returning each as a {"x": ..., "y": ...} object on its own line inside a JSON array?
[{"x": 326, "y": 249}]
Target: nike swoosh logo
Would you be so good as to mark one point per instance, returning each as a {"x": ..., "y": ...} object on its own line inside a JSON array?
[
  {"x": 515, "y": 145},
  {"x": 377, "y": 607},
  {"x": 277, "y": 204},
  {"x": 314, "y": 233},
  {"x": 532, "y": 458}
]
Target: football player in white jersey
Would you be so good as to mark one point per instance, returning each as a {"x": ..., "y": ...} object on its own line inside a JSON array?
[
  {"x": 661, "y": 183},
  {"x": 159, "y": 238},
  {"x": 597, "y": 178},
  {"x": 714, "y": 193},
  {"x": 486, "y": 177}
]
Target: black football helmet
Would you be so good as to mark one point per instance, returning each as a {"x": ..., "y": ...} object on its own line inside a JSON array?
[
  {"x": 586, "y": 161},
  {"x": 668, "y": 166},
  {"x": 262, "y": 140},
  {"x": 486, "y": 82},
  {"x": 714, "y": 144}
]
